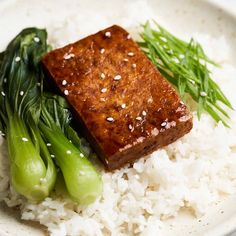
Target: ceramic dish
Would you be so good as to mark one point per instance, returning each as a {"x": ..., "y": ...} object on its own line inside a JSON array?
[{"x": 181, "y": 16}]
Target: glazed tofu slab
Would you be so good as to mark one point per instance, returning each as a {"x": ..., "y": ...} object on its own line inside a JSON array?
[{"x": 123, "y": 105}]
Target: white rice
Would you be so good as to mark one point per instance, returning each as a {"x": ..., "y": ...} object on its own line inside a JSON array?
[{"x": 194, "y": 172}]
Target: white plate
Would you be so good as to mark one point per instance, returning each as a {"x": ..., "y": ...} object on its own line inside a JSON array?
[{"x": 182, "y": 16}]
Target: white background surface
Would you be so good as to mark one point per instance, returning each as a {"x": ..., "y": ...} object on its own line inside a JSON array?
[{"x": 229, "y": 5}]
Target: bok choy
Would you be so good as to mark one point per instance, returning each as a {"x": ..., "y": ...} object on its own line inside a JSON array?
[
  {"x": 82, "y": 181},
  {"x": 33, "y": 173},
  {"x": 37, "y": 126}
]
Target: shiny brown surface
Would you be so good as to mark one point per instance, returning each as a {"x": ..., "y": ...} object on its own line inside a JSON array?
[{"x": 86, "y": 74}]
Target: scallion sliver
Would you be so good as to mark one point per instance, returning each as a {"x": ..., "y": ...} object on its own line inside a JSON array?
[{"x": 185, "y": 65}]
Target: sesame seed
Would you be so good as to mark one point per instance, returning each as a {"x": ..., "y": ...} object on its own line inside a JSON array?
[
  {"x": 139, "y": 118},
  {"x": 110, "y": 119},
  {"x": 103, "y": 90},
  {"x": 3, "y": 94},
  {"x": 131, "y": 127},
  {"x": 102, "y": 99},
  {"x": 102, "y": 50},
  {"x": 68, "y": 152},
  {"x": 36, "y": 39},
  {"x": 64, "y": 82},
  {"x": 136, "y": 176},
  {"x": 68, "y": 56},
  {"x": 5, "y": 80},
  {"x": 128, "y": 36},
  {"x": 108, "y": 34},
  {"x": 43, "y": 180},
  {"x": 203, "y": 94},
  {"x": 144, "y": 113},
  {"x": 163, "y": 39},
  {"x": 52, "y": 156},
  {"x": 38, "y": 84},
  {"x": 49, "y": 144},
  {"x": 66, "y": 92},
  {"x": 123, "y": 106},
  {"x": 21, "y": 93},
  {"x": 81, "y": 172},
  {"x": 81, "y": 155},
  {"x": 155, "y": 132},
  {"x": 134, "y": 65},
  {"x": 117, "y": 77},
  {"x": 130, "y": 54},
  {"x": 163, "y": 123},
  {"x": 175, "y": 59},
  {"x": 24, "y": 139},
  {"x": 17, "y": 59},
  {"x": 103, "y": 76},
  {"x": 126, "y": 59}
]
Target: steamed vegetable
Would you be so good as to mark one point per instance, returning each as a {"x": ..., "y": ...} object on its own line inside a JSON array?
[
  {"x": 82, "y": 181},
  {"x": 33, "y": 173},
  {"x": 185, "y": 66},
  {"x": 37, "y": 126}
]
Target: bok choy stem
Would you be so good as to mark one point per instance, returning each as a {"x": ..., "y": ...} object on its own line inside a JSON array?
[
  {"x": 82, "y": 181},
  {"x": 30, "y": 175}
]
